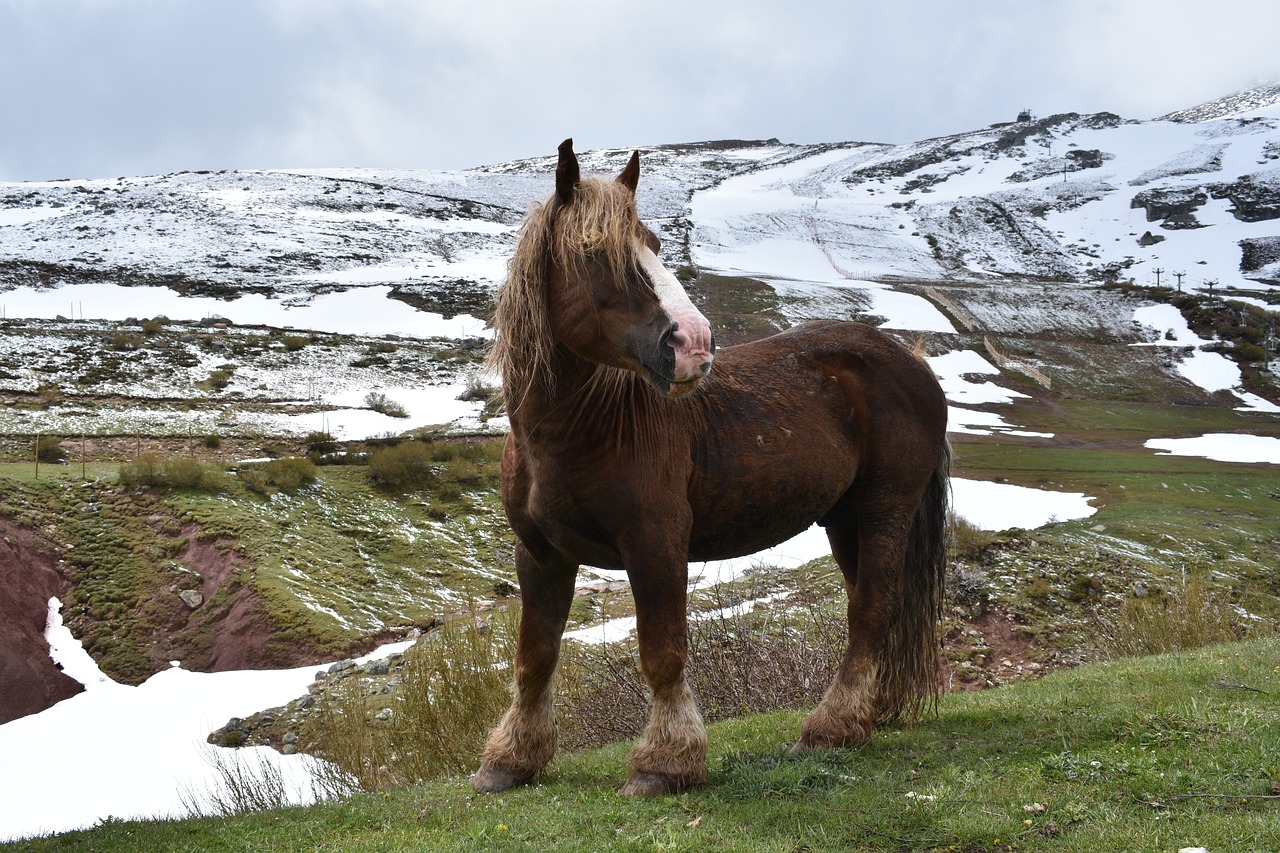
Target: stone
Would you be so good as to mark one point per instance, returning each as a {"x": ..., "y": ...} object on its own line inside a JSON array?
[
  {"x": 193, "y": 598},
  {"x": 342, "y": 666}
]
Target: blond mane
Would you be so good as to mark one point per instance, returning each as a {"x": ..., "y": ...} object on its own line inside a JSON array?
[{"x": 601, "y": 222}]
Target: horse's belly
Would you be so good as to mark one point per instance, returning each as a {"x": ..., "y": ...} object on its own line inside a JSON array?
[
  {"x": 750, "y": 517},
  {"x": 726, "y": 545}
]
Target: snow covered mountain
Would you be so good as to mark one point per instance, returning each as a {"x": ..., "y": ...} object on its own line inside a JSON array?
[{"x": 1075, "y": 198}]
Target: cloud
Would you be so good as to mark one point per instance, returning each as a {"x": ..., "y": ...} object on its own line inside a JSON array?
[{"x": 108, "y": 87}]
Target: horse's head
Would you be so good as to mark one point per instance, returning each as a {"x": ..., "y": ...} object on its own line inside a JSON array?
[{"x": 610, "y": 299}]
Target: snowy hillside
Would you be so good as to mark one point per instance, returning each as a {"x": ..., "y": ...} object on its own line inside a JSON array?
[
  {"x": 1068, "y": 197},
  {"x": 1004, "y": 216}
]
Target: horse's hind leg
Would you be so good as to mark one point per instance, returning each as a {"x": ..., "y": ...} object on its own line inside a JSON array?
[
  {"x": 673, "y": 753},
  {"x": 525, "y": 740},
  {"x": 869, "y": 544}
]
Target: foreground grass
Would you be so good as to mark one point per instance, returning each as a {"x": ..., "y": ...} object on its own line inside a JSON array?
[{"x": 1140, "y": 754}]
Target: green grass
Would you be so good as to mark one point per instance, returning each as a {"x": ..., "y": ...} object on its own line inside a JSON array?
[
  {"x": 1139, "y": 754},
  {"x": 331, "y": 562}
]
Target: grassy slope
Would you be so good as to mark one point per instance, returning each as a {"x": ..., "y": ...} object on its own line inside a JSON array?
[
  {"x": 1140, "y": 754},
  {"x": 355, "y": 559}
]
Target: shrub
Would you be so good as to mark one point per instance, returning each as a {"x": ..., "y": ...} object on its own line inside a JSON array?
[
  {"x": 454, "y": 690},
  {"x": 968, "y": 540},
  {"x": 479, "y": 390},
  {"x": 293, "y": 343},
  {"x": 320, "y": 442},
  {"x": 213, "y": 441},
  {"x": 48, "y": 448},
  {"x": 218, "y": 379},
  {"x": 154, "y": 326},
  {"x": 739, "y": 663},
  {"x": 1251, "y": 352},
  {"x": 279, "y": 475},
  {"x": 1192, "y": 617},
  {"x": 177, "y": 473},
  {"x": 125, "y": 341},
  {"x": 406, "y": 465},
  {"x": 379, "y": 402}
]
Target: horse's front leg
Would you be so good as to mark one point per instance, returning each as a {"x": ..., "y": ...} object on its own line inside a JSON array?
[
  {"x": 672, "y": 755},
  {"x": 525, "y": 740}
]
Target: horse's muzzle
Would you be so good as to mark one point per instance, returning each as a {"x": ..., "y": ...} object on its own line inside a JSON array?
[{"x": 687, "y": 355}]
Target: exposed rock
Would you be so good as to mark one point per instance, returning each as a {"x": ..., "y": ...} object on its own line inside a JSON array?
[
  {"x": 1254, "y": 198},
  {"x": 1176, "y": 207},
  {"x": 193, "y": 598}
]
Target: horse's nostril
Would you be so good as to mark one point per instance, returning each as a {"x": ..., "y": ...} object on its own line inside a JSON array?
[
  {"x": 705, "y": 368},
  {"x": 673, "y": 337}
]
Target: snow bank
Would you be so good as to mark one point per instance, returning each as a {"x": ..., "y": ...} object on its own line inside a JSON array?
[
  {"x": 1002, "y": 506},
  {"x": 1211, "y": 371},
  {"x": 357, "y": 311},
  {"x": 1222, "y": 447},
  {"x": 133, "y": 752}
]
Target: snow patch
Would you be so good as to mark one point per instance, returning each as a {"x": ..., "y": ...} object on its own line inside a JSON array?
[{"x": 1222, "y": 447}]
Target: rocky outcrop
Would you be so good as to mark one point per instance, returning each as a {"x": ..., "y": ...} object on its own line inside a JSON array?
[
  {"x": 30, "y": 681},
  {"x": 1254, "y": 198},
  {"x": 1174, "y": 208}
]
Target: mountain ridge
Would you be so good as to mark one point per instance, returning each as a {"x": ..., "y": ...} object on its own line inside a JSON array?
[{"x": 1068, "y": 197}]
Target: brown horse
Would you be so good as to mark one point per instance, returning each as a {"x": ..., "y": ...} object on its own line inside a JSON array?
[{"x": 614, "y": 461}]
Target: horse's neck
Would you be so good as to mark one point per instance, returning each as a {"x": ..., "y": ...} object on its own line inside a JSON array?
[{"x": 583, "y": 405}]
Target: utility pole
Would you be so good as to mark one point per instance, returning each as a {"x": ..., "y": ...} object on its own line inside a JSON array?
[
  {"x": 1158, "y": 271},
  {"x": 1211, "y": 285},
  {"x": 1180, "y": 276},
  {"x": 1268, "y": 346}
]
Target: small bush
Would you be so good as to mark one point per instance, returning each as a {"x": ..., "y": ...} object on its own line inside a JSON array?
[
  {"x": 739, "y": 664},
  {"x": 177, "y": 473},
  {"x": 480, "y": 391},
  {"x": 125, "y": 341},
  {"x": 454, "y": 691},
  {"x": 462, "y": 470},
  {"x": 1193, "y": 617},
  {"x": 379, "y": 402},
  {"x": 154, "y": 326},
  {"x": 968, "y": 540},
  {"x": 213, "y": 441},
  {"x": 293, "y": 343},
  {"x": 218, "y": 379},
  {"x": 48, "y": 448},
  {"x": 406, "y": 465},
  {"x": 279, "y": 475},
  {"x": 320, "y": 442}
]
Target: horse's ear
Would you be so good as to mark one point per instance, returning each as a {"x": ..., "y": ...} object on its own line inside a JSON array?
[
  {"x": 567, "y": 173},
  {"x": 630, "y": 177}
]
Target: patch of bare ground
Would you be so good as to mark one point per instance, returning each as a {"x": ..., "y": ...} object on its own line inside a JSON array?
[
  {"x": 991, "y": 649},
  {"x": 30, "y": 681}
]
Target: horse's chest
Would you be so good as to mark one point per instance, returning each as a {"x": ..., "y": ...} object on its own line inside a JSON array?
[{"x": 579, "y": 518}]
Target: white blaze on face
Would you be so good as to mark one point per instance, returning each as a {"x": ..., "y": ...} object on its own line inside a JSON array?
[{"x": 692, "y": 338}]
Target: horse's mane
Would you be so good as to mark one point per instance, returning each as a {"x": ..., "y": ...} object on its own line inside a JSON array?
[{"x": 599, "y": 221}]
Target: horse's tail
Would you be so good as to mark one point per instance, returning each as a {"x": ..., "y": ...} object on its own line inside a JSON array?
[{"x": 909, "y": 681}]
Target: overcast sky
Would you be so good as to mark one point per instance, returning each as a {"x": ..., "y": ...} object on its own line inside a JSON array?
[{"x": 104, "y": 88}]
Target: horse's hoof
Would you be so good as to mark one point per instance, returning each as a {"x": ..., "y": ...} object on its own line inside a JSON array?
[
  {"x": 493, "y": 780},
  {"x": 650, "y": 785},
  {"x": 813, "y": 740}
]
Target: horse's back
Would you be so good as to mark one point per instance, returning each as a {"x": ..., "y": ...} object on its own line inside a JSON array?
[{"x": 793, "y": 420}]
